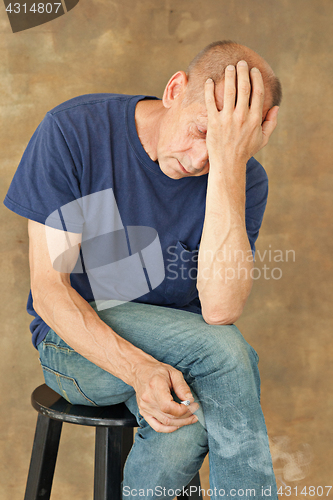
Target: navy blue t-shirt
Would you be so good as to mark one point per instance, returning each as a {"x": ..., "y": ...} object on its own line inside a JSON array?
[{"x": 86, "y": 171}]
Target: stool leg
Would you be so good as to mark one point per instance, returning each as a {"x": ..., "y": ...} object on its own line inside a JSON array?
[
  {"x": 127, "y": 443},
  {"x": 196, "y": 494},
  {"x": 107, "y": 480},
  {"x": 112, "y": 446},
  {"x": 43, "y": 459}
]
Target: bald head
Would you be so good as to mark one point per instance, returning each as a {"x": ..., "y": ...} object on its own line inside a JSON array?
[{"x": 211, "y": 63}]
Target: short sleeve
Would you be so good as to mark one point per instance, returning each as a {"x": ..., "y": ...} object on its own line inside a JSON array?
[
  {"x": 256, "y": 199},
  {"x": 48, "y": 175}
]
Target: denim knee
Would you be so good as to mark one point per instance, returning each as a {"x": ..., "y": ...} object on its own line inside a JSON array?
[
  {"x": 224, "y": 344},
  {"x": 225, "y": 353}
]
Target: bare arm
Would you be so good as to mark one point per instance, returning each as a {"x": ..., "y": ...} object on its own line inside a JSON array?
[
  {"x": 234, "y": 134},
  {"x": 74, "y": 320}
]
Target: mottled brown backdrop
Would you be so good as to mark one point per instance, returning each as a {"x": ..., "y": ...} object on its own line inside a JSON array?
[{"x": 133, "y": 47}]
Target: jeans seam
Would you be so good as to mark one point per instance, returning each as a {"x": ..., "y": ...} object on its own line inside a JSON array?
[
  {"x": 55, "y": 346},
  {"x": 58, "y": 378}
]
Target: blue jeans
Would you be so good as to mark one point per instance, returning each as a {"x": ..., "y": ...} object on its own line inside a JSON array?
[{"x": 221, "y": 369}]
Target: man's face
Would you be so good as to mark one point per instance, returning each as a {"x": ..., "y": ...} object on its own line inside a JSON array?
[{"x": 181, "y": 147}]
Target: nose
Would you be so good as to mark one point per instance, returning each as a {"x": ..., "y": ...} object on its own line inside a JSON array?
[{"x": 200, "y": 156}]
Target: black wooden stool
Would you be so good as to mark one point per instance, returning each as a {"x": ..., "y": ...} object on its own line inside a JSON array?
[{"x": 114, "y": 438}]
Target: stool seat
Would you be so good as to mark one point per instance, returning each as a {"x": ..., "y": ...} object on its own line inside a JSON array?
[
  {"x": 114, "y": 438},
  {"x": 49, "y": 403}
]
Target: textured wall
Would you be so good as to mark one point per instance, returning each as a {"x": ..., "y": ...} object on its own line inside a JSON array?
[{"x": 133, "y": 47}]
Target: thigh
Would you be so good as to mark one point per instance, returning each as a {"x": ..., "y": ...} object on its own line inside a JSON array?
[
  {"x": 174, "y": 336},
  {"x": 77, "y": 379}
]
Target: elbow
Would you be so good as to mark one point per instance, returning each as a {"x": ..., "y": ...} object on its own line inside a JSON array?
[
  {"x": 216, "y": 321},
  {"x": 221, "y": 318},
  {"x": 225, "y": 310}
]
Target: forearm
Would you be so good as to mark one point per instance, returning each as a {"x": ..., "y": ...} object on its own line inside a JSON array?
[
  {"x": 224, "y": 261},
  {"x": 76, "y": 322},
  {"x": 234, "y": 134}
]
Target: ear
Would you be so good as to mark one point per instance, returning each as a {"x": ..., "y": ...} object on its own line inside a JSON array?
[{"x": 174, "y": 89}]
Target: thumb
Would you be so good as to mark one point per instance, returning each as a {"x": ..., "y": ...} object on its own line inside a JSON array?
[
  {"x": 180, "y": 387},
  {"x": 270, "y": 122}
]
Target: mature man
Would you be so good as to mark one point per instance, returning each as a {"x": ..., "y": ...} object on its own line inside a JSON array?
[{"x": 98, "y": 168}]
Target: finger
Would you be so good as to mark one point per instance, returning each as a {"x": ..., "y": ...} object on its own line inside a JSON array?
[
  {"x": 210, "y": 97},
  {"x": 176, "y": 410},
  {"x": 160, "y": 402},
  {"x": 169, "y": 420},
  {"x": 164, "y": 410},
  {"x": 162, "y": 424},
  {"x": 180, "y": 387},
  {"x": 243, "y": 87},
  {"x": 258, "y": 92},
  {"x": 158, "y": 426},
  {"x": 270, "y": 122},
  {"x": 229, "y": 97},
  {"x": 172, "y": 409}
]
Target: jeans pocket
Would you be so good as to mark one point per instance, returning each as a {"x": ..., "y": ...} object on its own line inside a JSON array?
[
  {"x": 66, "y": 386},
  {"x": 57, "y": 359}
]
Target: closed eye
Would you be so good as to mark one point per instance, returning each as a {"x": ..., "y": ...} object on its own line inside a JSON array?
[{"x": 202, "y": 132}]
